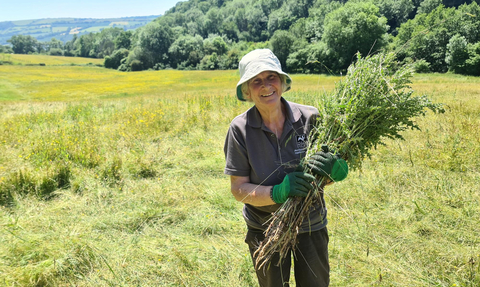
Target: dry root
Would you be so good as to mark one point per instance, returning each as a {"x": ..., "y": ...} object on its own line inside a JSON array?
[{"x": 281, "y": 234}]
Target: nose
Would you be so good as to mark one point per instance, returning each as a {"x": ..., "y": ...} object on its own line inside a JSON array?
[{"x": 265, "y": 83}]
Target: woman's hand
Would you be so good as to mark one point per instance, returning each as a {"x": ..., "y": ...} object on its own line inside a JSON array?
[
  {"x": 297, "y": 183},
  {"x": 325, "y": 163}
]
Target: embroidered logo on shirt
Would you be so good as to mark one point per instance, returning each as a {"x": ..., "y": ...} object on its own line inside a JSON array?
[{"x": 302, "y": 143}]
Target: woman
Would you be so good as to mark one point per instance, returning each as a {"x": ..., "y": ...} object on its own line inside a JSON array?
[{"x": 263, "y": 149}]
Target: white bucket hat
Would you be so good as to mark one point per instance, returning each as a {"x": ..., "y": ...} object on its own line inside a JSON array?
[{"x": 254, "y": 63}]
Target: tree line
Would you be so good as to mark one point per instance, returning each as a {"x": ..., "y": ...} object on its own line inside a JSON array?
[{"x": 308, "y": 36}]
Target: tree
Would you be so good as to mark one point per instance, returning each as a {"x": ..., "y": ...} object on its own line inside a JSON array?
[
  {"x": 209, "y": 62},
  {"x": 39, "y": 47},
  {"x": 355, "y": 27},
  {"x": 55, "y": 52},
  {"x": 257, "y": 24},
  {"x": 296, "y": 61},
  {"x": 54, "y": 44},
  {"x": 104, "y": 46},
  {"x": 5, "y": 49},
  {"x": 298, "y": 29},
  {"x": 123, "y": 40},
  {"x": 213, "y": 21},
  {"x": 215, "y": 44},
  {"x": 314, "y": 58},
  {"x": 23, "y": 44},
  {"x": 280, "y": 19},
  {"x": 139, "y": 58},
  {"x": 69, "y": 48},
  {"x": 469, "y": 18},
  {"x": 396, "y": 12},
  {"x": 287, "y": 14},
  {"x": 204, "y": 6},
  {"x": 281, "y": 44},
  {"x": 463, "y": 57},
  {"x": 241, "y": 20},
  {"x": 314, "y": 24},
  {"x": 155, "y": 40},
  {"x": 85, "y": 45},
  {"x": 472, "y": 64},
  {"x": 457, "y": 54},
  {"x": 104, "y": 42},
  {"x": 428, "y": 6},
  {"x": 195, "y": 21},
  {"x": 115, "y": 60},
  {"x": 230, "y": 60},
  {"x": 268, "y": 6},
  {"x": 218, "y": 3},
  {"x": 427, "y": 35},
  {"x": 229, "y": 29},
  {"x": 186, "y": 51}
]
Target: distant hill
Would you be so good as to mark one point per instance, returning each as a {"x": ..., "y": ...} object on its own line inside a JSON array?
[{"x": 64, "y": 28}]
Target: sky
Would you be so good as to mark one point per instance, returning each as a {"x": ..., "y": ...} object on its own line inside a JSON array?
[{"x": 12, "y": 10}]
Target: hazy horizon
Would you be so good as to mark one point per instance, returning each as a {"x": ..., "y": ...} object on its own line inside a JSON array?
[
  {"x": 81, "y": 18},
  {"x": 48, "y": 9}
]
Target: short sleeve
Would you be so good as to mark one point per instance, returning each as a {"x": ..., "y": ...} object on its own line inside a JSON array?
[{"x": 236, "y": 156}]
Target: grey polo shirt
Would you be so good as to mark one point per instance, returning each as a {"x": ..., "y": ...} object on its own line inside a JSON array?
[{"x": 252, "y": 150}]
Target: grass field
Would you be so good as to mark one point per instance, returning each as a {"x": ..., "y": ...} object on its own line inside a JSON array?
[
  {"x": 20, "y": 59},
  {"x": 116, "y": 179}
]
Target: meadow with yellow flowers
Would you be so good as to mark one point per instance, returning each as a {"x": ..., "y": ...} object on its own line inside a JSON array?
[{"x": 116, "y": 179}]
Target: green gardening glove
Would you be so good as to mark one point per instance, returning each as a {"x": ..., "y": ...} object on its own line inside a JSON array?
[
  {"x": 324, "y": 163},
  {"x": 297, "y": 183}
]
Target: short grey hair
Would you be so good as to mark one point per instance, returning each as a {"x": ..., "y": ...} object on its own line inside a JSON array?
[{"x": 246, "y": 91}]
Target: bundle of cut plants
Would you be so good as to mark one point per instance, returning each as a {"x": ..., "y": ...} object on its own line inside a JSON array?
[{"x": 373, "y": 102}]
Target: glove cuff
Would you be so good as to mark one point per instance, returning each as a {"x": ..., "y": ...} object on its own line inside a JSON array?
[
  {"x": 276, "y": 194},
  {"x": 339, "y": 170}
]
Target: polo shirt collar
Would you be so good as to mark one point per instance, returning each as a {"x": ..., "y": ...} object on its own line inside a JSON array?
[{"x": 254, "y": 119}]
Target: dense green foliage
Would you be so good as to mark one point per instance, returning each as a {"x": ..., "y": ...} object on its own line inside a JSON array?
[
  {"x": 430, "y": 36},
  {"x": 308, "y": 36},
  {"x": 23, "y": 44},
  {"x": 5, "y": 49}
]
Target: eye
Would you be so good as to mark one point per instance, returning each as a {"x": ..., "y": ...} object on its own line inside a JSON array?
[{"x": 256, "y": 81}]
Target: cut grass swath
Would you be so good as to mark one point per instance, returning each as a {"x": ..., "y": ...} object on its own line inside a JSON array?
[{"x": 373, "y": 102}]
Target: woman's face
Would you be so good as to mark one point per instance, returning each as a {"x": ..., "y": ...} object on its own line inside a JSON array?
[{"x": 265, "y": 88}]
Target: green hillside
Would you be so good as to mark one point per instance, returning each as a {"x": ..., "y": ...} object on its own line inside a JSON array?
[
  {"x": 308, "y": 36},
  {"x": 64, "y": 28}
]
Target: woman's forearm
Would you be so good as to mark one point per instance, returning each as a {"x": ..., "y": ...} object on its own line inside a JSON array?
[{"x": 253, "y": 194}]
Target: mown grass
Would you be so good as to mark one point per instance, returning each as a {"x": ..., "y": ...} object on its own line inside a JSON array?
[
  {"x": 20, "y": 59},
  {"x": 35, "y": 83},
  {"x": 104, "y": 191}
]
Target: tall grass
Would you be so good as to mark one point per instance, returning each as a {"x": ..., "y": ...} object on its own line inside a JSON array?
[
  {"x": 137, "y": 196},
  {"x": 146, "y": 197}
]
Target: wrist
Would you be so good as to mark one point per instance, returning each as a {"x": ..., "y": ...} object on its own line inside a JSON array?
[
  {"x": 276, "y": 195},
  {"x": 271, "y": 194}
]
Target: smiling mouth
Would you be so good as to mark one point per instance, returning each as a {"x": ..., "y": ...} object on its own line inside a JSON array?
[{"x": 268, "y": 95}]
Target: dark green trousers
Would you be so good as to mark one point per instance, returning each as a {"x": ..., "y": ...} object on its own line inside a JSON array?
[{"x": 310, "y": 261}]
